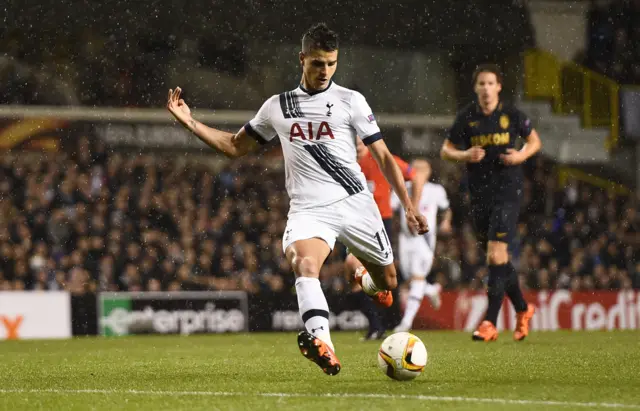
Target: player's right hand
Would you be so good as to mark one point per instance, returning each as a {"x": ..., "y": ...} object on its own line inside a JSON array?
[
  {"x": 475, "y": 154},
  {"x": 416, "y": 222},
  {"x": 178, "y": 107}
]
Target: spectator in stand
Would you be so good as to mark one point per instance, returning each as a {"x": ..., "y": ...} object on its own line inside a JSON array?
[
  {"x": 98, "y": 221},
  {"x": 613, "y": 43}
]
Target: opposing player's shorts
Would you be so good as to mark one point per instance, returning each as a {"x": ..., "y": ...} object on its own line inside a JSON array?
[
  {"x": 415, "y": 255},
  {"x": 354, "y": 221},
  {"x": 497, "y": 222}
]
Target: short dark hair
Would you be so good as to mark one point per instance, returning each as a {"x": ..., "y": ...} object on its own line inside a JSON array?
[
  {"x": 319, "y": 37},
  {"x": 487, "y": 68}
]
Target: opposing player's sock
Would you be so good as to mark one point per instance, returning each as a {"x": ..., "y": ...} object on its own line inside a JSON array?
[
  {"x": 513, "y": 290},
  {"x": 314, "y": 309},
  {"x": 414, "y": 299},
  {"x": 498, "y": 275}
]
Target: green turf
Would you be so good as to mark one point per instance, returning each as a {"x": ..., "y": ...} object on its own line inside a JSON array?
[{"x": 230, "y": 371}]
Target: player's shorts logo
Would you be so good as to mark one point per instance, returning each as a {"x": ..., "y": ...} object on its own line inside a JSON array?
[
  {"x": 501, "y": 235},
  {"x": 504, "y": 121}
]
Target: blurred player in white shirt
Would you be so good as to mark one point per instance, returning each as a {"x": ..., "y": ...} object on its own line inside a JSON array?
[
  {"x": 416, "y": 252},
  {"x": 317, "y": 123}
]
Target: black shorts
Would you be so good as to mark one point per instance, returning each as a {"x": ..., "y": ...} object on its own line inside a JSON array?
[
  {"x": 388, "y": 226},
  {"x": 495, "y": 222}
]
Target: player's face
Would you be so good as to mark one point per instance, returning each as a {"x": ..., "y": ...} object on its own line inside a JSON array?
[
  {"x": 318, "y": 66},
  {"x": 487, "y": 88}
]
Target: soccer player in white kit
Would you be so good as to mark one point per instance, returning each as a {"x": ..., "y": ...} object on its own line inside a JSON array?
[
  {"x": 417, "y": 251},
  {"x": 317, "y": 123}
]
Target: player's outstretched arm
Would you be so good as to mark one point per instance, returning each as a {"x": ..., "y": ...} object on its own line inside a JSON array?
[
  {"x": 418, "y": 178},
  {"x": 450, "y": 152},
  {"x": 229, "y": 144},
  {"x": 417, "y": 185},
  {"x": 394, "y": 176}
]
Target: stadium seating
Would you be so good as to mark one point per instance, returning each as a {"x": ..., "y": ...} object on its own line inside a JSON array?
[
  {"x": 613, "y": 38},
  {"x": 102, "y": 221}
]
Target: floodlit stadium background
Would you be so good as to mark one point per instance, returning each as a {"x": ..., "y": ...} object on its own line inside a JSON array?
[{"x": 101, "y": 193}]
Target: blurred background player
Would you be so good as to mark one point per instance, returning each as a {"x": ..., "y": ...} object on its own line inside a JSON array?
[
  {"x": 484, "y": 136},
  {"x": 416, "y": 252},
  {"x": 328, "y": 198},
  {"x": 381, "y": 189}
]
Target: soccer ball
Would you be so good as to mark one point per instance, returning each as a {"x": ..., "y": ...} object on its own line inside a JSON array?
[{"x": 402, "y": 356}]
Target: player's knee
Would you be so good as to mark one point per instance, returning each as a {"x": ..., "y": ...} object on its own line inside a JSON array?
[
  {"x": 497, "y": 258},
  {"x": 305, "y": 266},
  {"x": 497, "y": 253}
]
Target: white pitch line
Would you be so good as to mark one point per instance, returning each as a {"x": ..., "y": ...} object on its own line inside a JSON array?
[{"x": 504, "y": 401}]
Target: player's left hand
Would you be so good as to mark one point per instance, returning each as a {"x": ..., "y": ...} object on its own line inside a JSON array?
[
  {"x": 416, "y": 222},
  {"x": 178, "y": 107},
  {"x": 513, "y": 157}
]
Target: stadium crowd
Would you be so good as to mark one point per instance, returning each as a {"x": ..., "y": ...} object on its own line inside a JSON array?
[
  {"x": 100, "y": 53},
  {"x": 99, "y": 220},
  {"x": 614, "y": 39}
]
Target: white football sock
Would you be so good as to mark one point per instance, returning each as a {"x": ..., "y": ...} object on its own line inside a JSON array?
[
  {"x": 368, "y": 286},
  {"x": 314, "y": 309},
  {"x": 433, "y": 292},
  {"x": 431, "y": 289},
  {"x": 414, "y": 300}
]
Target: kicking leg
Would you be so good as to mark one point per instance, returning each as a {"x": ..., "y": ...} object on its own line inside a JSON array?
[
  {"x": 306, "y": 258},
  {"x": 365, "y": 235},
  {"x": 377, "y": 281},
  {"x": 369, "y": 309}
]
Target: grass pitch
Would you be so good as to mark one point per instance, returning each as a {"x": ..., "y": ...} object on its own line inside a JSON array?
[{"x": 561, "y": 370}]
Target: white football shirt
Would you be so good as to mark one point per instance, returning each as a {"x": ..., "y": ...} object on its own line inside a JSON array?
[
  {"x": 434, "y": 198},
  {"x": 317, "y": 131}
]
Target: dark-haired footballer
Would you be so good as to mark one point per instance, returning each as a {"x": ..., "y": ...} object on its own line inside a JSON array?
[
  {"x": 317, "y": 124},
  {"x": 484, "y": 136}
]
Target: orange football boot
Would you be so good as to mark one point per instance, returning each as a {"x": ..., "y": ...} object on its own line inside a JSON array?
[
  {"x": 382, "y": 298},
  {"x": 486, "y": 332},
  {"x": 522, "y": 323},
  {"x": 316, "y": 350}
]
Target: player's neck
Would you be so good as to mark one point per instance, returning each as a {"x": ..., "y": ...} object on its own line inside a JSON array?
[
  {"x": 488, "y": 107},
  {"x": 310, "y": 89}
]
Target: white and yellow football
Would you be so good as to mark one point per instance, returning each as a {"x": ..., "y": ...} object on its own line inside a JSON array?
[{"x": 402, "y": 356}]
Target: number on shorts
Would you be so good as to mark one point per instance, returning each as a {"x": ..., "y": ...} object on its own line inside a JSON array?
[{"x": 379, "y": 238}]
